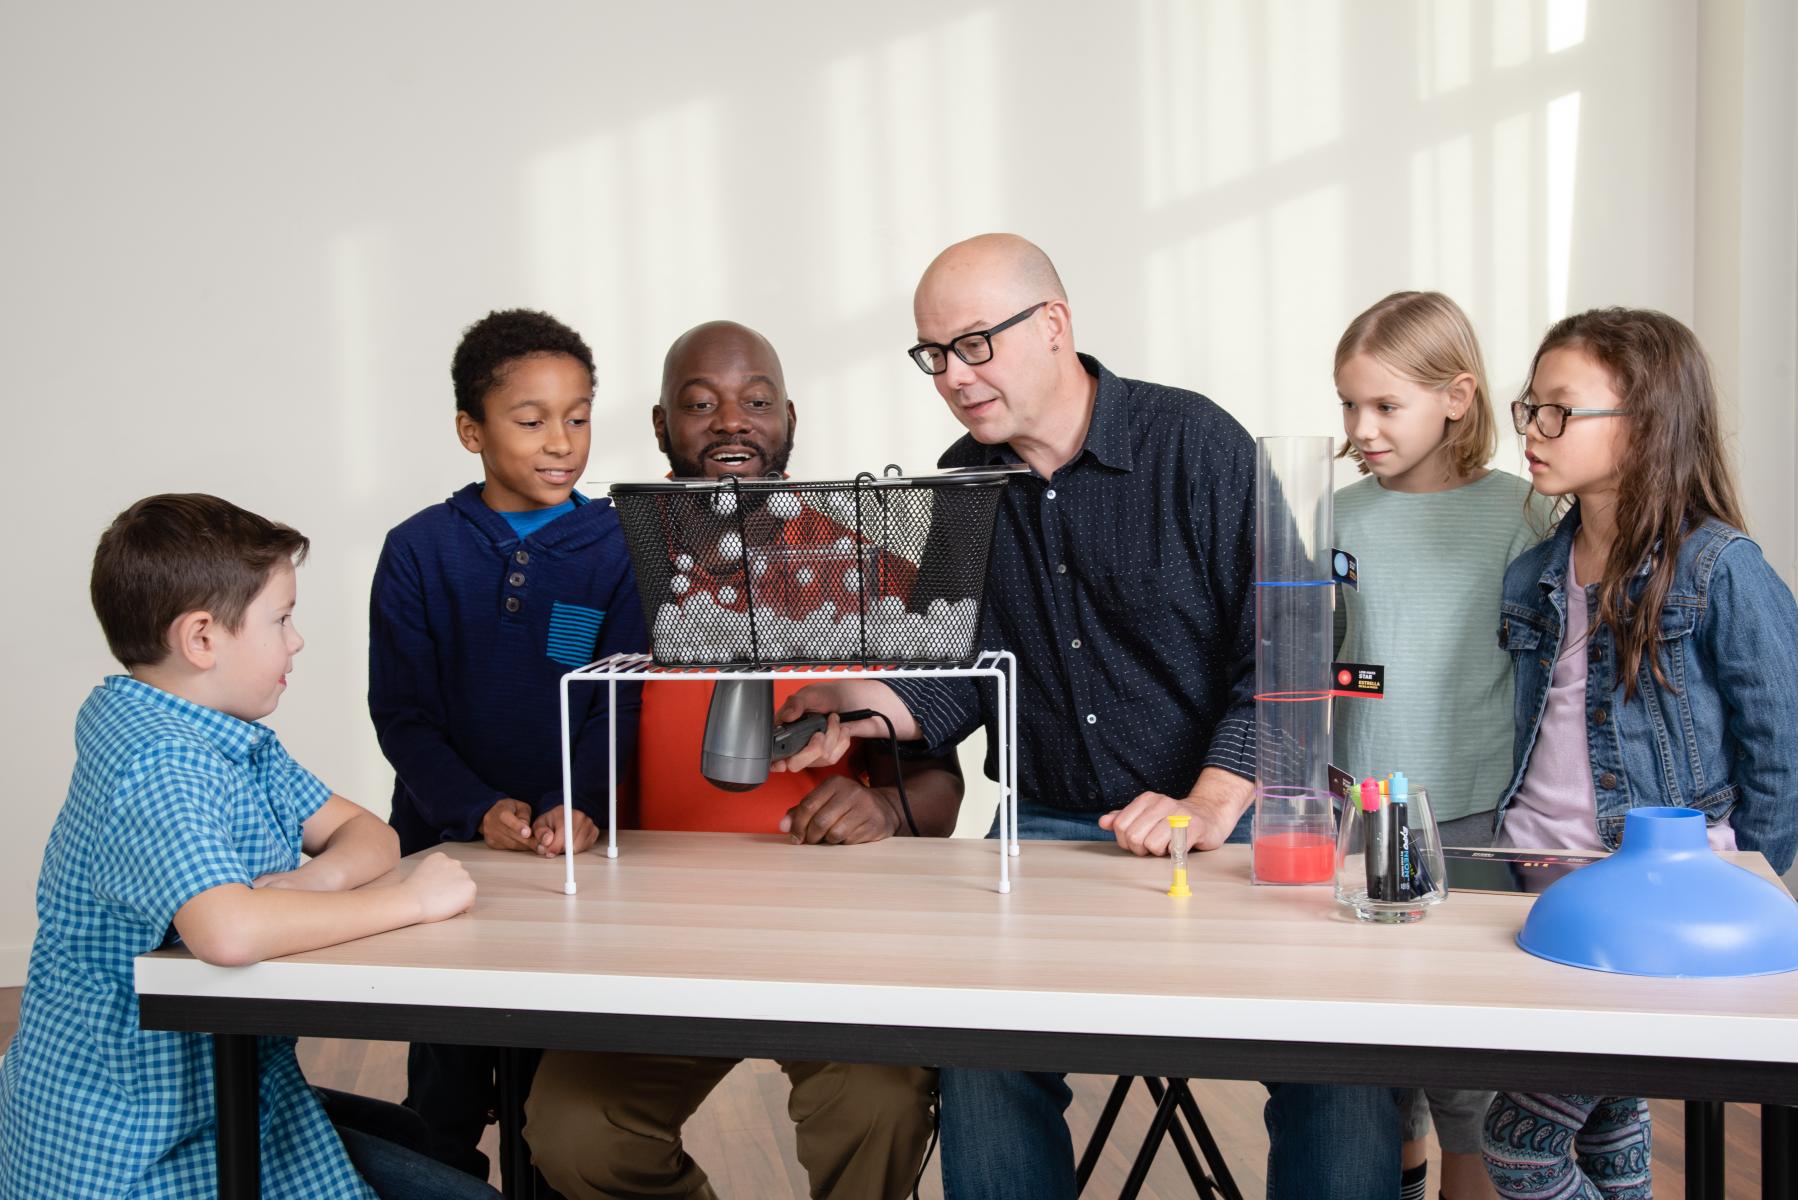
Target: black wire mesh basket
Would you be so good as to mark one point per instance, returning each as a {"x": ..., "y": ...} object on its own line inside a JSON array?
[{"x": 760, "y": 572}]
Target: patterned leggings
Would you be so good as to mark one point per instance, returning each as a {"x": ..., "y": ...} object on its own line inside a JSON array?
[{"x": 1532, "y": 1140}]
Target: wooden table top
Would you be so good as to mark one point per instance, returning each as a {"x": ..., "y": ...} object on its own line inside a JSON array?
[{"x": 912, "y": 933}]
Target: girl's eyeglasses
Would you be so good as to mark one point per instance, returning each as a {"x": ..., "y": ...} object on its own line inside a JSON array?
[{"x": 1551, "y": 419}]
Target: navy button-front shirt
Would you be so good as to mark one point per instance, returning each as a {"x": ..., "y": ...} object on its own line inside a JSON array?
[{"x": 1124, "y": 584}]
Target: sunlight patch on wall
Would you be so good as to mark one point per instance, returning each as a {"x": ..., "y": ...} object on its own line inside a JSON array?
[
  {"x": 1304, "y": 76},
  {"x": 1566, "y": 24},
  {"x": 1442, "y": 217},
  {"x": 1445, "y": 46},
  {"x": 1562, "y": 164},
  {"x": 1196, "y": 69}
]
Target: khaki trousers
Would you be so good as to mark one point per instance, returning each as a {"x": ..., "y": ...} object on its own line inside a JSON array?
[{"x": 608, "y": 1126}]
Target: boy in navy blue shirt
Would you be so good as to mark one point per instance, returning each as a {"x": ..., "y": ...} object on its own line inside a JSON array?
[{"x": 480, "y": 605}]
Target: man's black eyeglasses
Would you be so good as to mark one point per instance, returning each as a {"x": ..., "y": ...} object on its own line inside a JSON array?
[{"x": 972, "y": 348}]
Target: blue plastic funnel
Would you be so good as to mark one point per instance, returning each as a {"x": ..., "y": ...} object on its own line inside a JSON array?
[{"x": 1665, "y": 905}]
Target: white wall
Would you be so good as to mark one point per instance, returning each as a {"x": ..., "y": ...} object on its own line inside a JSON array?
[
  {"x": 1747, "y": 282},
  {"x": 239, "y": 242}
]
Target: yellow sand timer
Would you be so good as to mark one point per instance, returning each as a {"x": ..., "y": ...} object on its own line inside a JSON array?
[{"x": 1176, "y": 849}]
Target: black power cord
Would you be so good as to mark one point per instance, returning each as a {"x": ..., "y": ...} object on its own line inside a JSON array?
[{"x": 863, "y": 714}]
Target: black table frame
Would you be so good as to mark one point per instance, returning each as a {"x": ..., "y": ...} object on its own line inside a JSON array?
[{"x": 1704, "y": 1083}]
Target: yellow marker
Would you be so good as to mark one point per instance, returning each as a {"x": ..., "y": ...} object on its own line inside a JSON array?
[{"x": 1177, "y": 850}]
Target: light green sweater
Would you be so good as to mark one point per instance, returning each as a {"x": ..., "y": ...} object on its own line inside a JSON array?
[{"x": 1432, "y": 566}]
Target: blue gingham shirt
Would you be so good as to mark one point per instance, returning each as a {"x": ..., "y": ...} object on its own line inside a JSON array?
[
  {"x": 168, "y": 799},
  {"x": 1124, "y": 583}
]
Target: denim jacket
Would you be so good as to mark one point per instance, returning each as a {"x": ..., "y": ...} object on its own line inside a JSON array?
[{"x": 1723, "y": 738}]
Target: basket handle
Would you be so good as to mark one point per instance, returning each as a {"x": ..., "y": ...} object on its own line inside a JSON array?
[{"x": 736, "y": 489}]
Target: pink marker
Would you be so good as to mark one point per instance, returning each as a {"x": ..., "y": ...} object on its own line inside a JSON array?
[{"x": 1373, "y": 839}]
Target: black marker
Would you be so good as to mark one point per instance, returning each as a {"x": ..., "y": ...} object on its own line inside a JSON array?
[{"x": 1403, "y": 860}]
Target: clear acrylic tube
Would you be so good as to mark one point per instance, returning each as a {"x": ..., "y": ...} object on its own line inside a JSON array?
[{"x": 1294, "y": 828}]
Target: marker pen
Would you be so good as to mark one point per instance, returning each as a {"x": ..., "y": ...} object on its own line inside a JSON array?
[
  {"x": 1374, "y": 840},
  {"x": 1401, "y": 856}
]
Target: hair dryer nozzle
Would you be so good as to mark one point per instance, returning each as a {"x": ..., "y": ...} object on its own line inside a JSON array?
[{"x": 739, "y": 728}]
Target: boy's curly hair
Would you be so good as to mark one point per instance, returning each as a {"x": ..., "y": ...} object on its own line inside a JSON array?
[{"x": 491, "y": 344}]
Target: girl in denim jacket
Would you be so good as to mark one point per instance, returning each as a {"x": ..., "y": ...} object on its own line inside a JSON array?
[{"x": 1652, "y": 645}]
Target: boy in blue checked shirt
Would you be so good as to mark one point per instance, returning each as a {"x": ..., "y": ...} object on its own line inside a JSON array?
[
  {"x": 186, "y": 820},
  {"x": 480, "y": 605}
]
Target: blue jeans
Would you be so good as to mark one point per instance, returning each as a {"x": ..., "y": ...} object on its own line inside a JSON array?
[
  {"x": 386, "y": 1145},
  {"x": 1005, "y": 1134}
]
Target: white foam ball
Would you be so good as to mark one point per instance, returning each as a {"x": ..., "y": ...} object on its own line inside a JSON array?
[
  {"x": 724, "y": 503},
  {"x": 730, "y": 546},
  {"x": 679, "y": 585},
  {"x": 727, "y": 594},
  {"x": 784, "y": 505},
  {"x": 683, "y": 562}
]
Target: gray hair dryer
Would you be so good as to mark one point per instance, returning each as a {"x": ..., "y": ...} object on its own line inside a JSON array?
[{"x": 741, "y": 738}]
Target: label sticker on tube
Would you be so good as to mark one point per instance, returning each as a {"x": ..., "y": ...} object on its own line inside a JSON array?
[{"x": 1358, "y": 680}]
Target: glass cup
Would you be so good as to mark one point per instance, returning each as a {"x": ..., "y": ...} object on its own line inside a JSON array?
[{"x": 1389, "y": 866}]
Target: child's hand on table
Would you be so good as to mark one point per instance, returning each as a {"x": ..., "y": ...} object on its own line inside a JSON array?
[
  {"x": 507, "y": 826},
  {"x": 547, "y": 832},
  {"x": 441, "y": 887}
]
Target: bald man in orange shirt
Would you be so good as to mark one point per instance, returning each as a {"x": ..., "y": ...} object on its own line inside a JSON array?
[{"x": 608, "y": 1125}]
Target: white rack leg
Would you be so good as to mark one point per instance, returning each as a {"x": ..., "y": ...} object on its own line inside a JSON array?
[
  {"x": 1011, "y": 663},
  {"x": 568, "y": 887},
  {"x": 1002, "y": 759},
  {"x": 612, "y": 767}
]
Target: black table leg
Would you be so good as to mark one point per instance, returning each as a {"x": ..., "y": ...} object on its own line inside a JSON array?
[
  {"x": 1145, "y": 1158},
  {"x": 236, "y": 1083},
  {"x": 1704, "y": 1150},
  {"x": 1095, "y": 1145},
  {"x": 1779, "y": 1152},
  {"x": 1201, "y": 1132},
  {"x": 517, "y": 1176},
  {"x": 1201, "y": 1181}
]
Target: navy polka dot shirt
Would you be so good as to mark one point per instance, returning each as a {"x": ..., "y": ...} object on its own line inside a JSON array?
[{"x": 1124, "y": 585}]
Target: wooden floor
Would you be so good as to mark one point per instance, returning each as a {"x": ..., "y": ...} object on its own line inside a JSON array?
[{"x": 744, "y": 1140}]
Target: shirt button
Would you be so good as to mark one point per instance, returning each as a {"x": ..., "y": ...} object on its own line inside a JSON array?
[
  {"x": 1050, "y": 493},
  {"x": 1061, "y": 568},
  {"x": 1092, "y": 718},
  {"x": 522, "y": 558},
  {"x": 1607, "y": 781},
  {"x": 1600, "y": 716},
  {"x": 513, "y": 604},
  {"x": 1075, "y": 643},
  {"x": 516, "y": 579}
]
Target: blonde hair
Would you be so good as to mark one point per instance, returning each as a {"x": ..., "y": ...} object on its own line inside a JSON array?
[{"x": 1425, "y": 337}]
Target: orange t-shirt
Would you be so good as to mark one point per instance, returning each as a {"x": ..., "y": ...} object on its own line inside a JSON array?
[{"x": 672, "y": 794}]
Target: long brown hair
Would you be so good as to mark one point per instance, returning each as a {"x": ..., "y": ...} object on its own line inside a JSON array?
[
  {"x": 1425, "y": 337},
  {"x": 1673, "y": 473}
]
